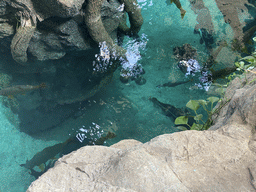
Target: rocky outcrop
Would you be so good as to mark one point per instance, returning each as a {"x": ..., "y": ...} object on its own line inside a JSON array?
[
  {"x": 55, "y": 42},
  {"x": 220, "y": 159},
  {"x": 240, "y": 105},
  {"x": 47, "y": 18},
  {"x": 185, "y": 161}
]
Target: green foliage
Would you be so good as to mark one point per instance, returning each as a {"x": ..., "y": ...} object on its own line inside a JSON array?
[
  {"x": 196, "y": 126},
  {"x": 199, "y": 122},
  {"x": 181, "y": 120},
  {"x": 246, "y": 64},
  {"x": 193, "y": 104},
  {"x": 245, "y": 69},
  {"x": 221, "y": 88}
]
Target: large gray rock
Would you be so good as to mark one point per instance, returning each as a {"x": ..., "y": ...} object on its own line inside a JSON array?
[
  {"x": 238, "y": 105},
  {"x": 184, "y": 161},
  {"x": 59, "y": 8}
]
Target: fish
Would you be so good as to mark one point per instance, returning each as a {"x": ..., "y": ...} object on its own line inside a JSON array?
[
  {"x": 37, "y": 174},
  {"x": 169, "y": 110},
  {"x": 101, "y": 140},
  {"x": 171, "y": 84},
  {"x": 46, "y": 154},
  {"x": 50, "y": 152},
  {"x": 82, "y": 97},
  {"x": 173, "y": 112},
  {"x": 20, "y": 89}
]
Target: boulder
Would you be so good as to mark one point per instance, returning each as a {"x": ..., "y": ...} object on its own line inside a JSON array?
[
  {"x": 59, "y": 8},
  {"x": 184, "y": 161},
  {"x": 238, "y": 105}
]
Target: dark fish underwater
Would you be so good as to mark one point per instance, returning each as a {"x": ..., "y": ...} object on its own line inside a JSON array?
[
  {"x": 171, "y": 84},
  {"x": 172, "y": 112},
  {"x": 20, "y": 89}
]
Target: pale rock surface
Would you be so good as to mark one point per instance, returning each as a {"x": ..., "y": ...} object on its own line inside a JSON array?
[{"x": 184, "y": 161}]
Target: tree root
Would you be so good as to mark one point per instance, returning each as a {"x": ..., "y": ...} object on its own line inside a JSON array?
[
  {"x": 98, "y": 32},
  {"x": 20, "y": 43},
  {"x": 135, "y": 17}
]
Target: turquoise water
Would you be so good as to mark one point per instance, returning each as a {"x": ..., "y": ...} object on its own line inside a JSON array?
[{"x": 121, "y": 108}]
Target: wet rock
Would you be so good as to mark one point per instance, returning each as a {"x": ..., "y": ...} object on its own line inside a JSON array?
[
  {"x": 66, "y": 37},
  {"x": 189, "y": 67},
  {"x": 184, "y": 52},
  {"x": 140, "y": 80},
  {"x": 124, "y": 78}
]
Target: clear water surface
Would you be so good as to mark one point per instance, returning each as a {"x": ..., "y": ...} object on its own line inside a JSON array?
[{"x": 121, "y": 108}]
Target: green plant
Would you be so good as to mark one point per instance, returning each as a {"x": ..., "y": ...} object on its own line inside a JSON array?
[
  {"x": 199, "y": 123},
  {"x": 221, "y": 88},
  {"x": 245, "y": 69}
]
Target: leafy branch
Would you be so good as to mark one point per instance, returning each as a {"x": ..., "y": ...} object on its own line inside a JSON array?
[{"x": 199, "y": 123}]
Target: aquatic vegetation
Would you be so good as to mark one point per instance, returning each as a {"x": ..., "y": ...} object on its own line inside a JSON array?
[
  {"x": 244, "y": 66},
  {"x": 194, "y": 105},
  {"x": 221, "y": 88},
  {"x": 245, "y": 69}
]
